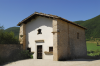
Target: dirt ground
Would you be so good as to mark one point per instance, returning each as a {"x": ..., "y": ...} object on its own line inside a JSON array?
[{"x": 41, "y": 62}]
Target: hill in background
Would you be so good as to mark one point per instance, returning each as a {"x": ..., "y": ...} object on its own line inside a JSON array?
[
  {"x": 92, "y": 25},
  {"x": 14, "y": 29}
]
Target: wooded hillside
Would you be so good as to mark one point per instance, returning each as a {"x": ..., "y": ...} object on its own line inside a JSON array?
[
  {"x": 93, "y": 27},
  {"x": 13, "y": 29}
]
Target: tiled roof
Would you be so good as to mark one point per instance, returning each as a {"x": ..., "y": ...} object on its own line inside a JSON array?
[{"x": 48, "y": 16}]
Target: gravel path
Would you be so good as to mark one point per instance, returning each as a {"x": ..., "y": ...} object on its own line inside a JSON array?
[{"x": 41, "y": 62}]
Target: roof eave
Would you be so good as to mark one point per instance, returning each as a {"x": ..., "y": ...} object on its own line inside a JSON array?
[{"x": 72, "y": 23}]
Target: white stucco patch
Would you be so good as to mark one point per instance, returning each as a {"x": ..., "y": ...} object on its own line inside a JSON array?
[{"x": 45, "y": 24}]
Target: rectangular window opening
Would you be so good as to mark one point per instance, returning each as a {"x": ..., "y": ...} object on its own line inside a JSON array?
[
  {"x": 77, "y": 35},
  {"x": 50, "y": 49},
  {"x": 29, "y": 49}
]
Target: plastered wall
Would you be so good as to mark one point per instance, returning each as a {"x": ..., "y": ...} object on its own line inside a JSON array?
[{"x": 45, "y": 24}]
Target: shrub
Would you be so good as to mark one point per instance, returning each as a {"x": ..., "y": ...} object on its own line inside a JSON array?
[
  {"x": 87, "y": 39},
  {"x": 25, "y": 54},
  {"x": 93, "y": 53}
]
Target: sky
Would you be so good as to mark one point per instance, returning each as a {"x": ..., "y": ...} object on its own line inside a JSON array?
[{"x": 14, "y": 11}]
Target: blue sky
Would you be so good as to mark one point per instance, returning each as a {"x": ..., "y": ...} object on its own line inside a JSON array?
[{"x": 14, "y": 11}]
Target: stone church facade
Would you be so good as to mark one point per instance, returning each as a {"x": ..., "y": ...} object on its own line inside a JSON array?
[{"x": 51, "y": 37}]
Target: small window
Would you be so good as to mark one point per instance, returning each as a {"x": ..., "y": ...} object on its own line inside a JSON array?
[
  {"x": 29, "y": 49},
  {"x": 39, "y": 31},
  {"x": 77, "y": 35},
  {"x": 50, "y": 49}
]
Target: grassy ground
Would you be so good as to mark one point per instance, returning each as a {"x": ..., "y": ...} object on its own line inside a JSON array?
[{"x": 92, "y": 48}]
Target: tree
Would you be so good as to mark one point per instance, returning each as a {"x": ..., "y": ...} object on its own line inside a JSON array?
[{"x": 7, "y": 37}]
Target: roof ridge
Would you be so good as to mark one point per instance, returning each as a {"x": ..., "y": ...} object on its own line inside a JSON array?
[{"x": 44, "y": 14}]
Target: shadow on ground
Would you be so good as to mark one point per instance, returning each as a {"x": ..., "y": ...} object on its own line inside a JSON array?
[
  {"x": 11, "y": 62},
  {"x": 88, "y": 58}
]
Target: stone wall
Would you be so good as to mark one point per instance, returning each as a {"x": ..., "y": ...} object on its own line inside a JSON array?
[
  {"x": 77, "y": 46},
  {"x": 6, "y": 50},
  {"x": 68, "y": 45},
  {"x": 55, "y": 41},
  {"x": 63, "y": 40},
  {"x": 22, "y": 35}
]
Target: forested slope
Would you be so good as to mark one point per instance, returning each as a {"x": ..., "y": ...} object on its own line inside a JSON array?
[
  {"x": 93, "y": 27},
  {"x": 13, "y": 29}
]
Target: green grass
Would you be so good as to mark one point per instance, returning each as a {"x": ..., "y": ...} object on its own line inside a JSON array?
[{"x": 92, "y": 48}]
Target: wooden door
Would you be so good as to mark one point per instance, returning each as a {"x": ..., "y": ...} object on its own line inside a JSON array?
[{"x": 39, "y": 52}]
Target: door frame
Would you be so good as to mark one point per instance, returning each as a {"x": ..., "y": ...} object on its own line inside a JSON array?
[
  {"x": 37, "y": 43},
  {"x": 37, "y": 51}
]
